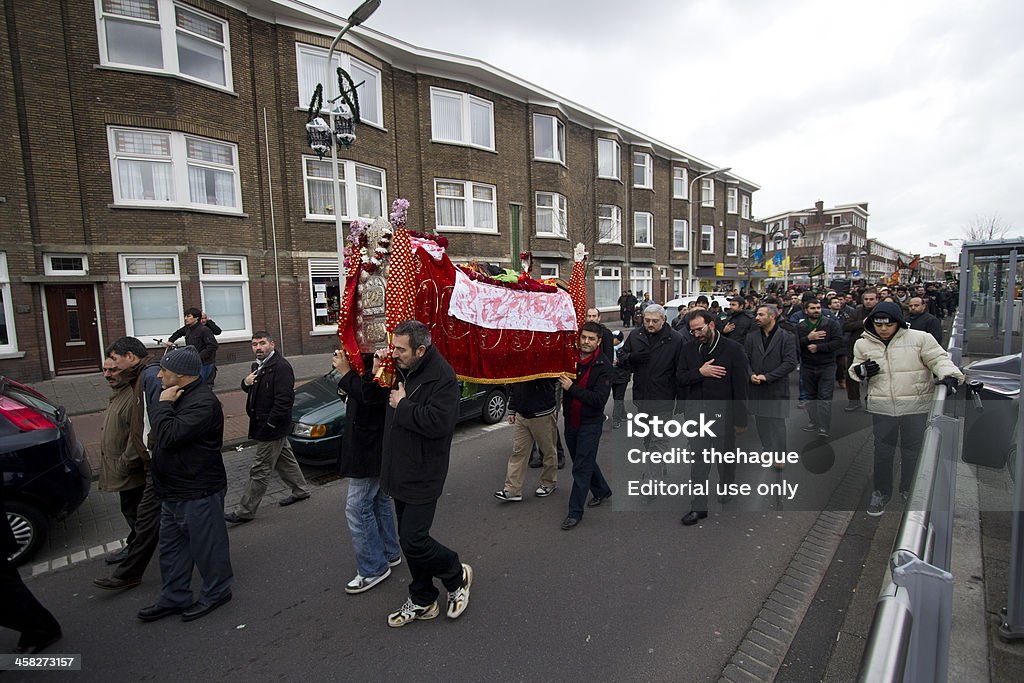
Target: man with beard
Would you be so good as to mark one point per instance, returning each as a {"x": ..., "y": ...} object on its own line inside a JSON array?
[
  {"x": 418, "y": 428},
  {"x": 270, "y": 393},
  {"x": 738, "y": 322},
  {"x": 853, "y": 328},
  {"x": 820, "y": 337},
  {"x": 712, "y": 374},
  {"x": 137, "y": 368},
  {"x": 773, "y": 356},
  {"x": 921, "y": 319}
]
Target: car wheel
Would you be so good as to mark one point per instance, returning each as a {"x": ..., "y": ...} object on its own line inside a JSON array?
[
  {"x": 495, "y": 405},
  {"x": 29, "y": 526}
]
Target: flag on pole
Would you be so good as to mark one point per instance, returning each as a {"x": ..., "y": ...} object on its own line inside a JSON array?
[
  {"x": 947, "y": 243},
  {"x": 894, "y": 279},
  {"x": 932, "y": 244},
  {"x": 900, "y": 265},
  {"x": 915, "y": 263},
  {"x": 777, "y": 260},
  {"x": 758, "y": 255},
  {"x": 818, "y": 270}
]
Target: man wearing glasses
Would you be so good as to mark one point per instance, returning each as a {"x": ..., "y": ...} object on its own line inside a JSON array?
[
  {"x": 896, "y": 365},
  {"x": 712, "y": 377}
]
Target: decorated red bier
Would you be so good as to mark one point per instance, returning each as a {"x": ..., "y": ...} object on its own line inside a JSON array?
[{"x": 492, "y": 330}]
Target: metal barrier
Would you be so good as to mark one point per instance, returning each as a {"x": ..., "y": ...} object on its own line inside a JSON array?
[{"x": 909, "y": 636}]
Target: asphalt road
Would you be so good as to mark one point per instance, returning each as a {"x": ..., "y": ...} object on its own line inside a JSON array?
[{"x": 625, "y": 596}]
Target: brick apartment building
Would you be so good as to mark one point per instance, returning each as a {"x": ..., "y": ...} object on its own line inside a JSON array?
[
  {"x": 157, "y": 160},
  {"x": 843, "y": 226}
]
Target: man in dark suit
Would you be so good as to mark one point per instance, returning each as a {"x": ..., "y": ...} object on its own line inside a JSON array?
[
  {"x": 712, "y": 377},
  {"x": 921, "y": 319},
  {"x": 271, "y": 392},
  {"x": 773, "y": 357}
]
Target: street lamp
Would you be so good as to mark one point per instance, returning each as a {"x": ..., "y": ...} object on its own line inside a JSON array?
[
  {"x": 690, "y": 287},
  {"x": 358, "y": 16},
  {"x": 796, "y": 232}
]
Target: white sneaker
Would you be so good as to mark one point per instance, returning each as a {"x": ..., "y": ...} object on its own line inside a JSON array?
[
  {"x": 395, "y": 562},
  {"x": 362, "y": 583},
  {"x": 543, "y": 491},
  {"x": 410, "y": 611},
  {"x": 458, "y": 599},
  {"x": 505, "y": 495}
]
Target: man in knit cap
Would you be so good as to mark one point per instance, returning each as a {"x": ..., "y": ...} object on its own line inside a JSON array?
[{"x": 189, "y": 478}]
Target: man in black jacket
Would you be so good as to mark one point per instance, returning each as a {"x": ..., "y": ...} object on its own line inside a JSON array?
[
  {"x": 270, "y": 389},
  {"x": 820, "y": 338},
  {"x": 772, "y": 355},
  {"x": 369, "y": 511},
  {"x": 190, "y": 481},
  {"x": 738, "y": 322},
  {"x": 853, "y": 328},
  {"x": 921, "y": 319},
  {"x": 583, "y": 399},
  {"x": 201, "y": 337},
  {"x": 712, "y": 377},
  {"x": 419, "y": 424}
]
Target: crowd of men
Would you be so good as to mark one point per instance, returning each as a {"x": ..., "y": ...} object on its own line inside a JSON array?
[{"x": 163, "y": 430}]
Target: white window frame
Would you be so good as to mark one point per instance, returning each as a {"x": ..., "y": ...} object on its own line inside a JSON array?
[
  {"x": 731, "y": 242},
  {"x": 680, "y": 182},
  {"x": 558, "y": 136},
  {"x": 180, "y": 163},
  {"x": 745, "y": 206},
  {"x": 709, "y": 232},
  {"x": 559, "y": 218},
  {"x": 548, "y": 271},
  {"x": 469, "y": 207},
  {"x": 648, "y": 164},
  {"x": 129, "y": 282},
  {"x": 351, "y": 189},
  {"x": 685, "y": 225},
  {"x": 467, "y": 101},
  {"x": 608, "y": 274},
  {"x": 677, "y": 282},
  {"x": 641, "y": 274},
  {"x": 616, "y": 153},
  {"x": 245, "y": 333},
  {"x": 745, "y": 245},
  {"x": 345, "y": 61},
  {"x": 5, "y": 293},
  {"x": 614, "y": 235},
  {"x": 167, "y": 24},
  {"x": 731, "y": 200},
  {"x": 707, "y": 192},
  {"x": 637, "y": 216},
  {"x": 48, "y": 268}
]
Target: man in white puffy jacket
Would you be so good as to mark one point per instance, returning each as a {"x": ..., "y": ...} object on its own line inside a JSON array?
[{"x": 897, "y": 367}]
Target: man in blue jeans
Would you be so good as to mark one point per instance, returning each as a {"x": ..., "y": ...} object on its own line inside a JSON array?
[
  {"x": 369, "y": 511},
  {"x": 583, "y": 400}
]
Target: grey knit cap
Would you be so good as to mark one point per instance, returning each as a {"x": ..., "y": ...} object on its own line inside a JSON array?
[{"x": 184, "y": 361}]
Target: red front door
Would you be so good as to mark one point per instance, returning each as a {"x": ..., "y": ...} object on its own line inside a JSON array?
[{"x": 74, "y": 328}]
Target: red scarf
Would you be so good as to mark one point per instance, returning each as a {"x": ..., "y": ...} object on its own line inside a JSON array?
[{"x": 576, "y": 406}]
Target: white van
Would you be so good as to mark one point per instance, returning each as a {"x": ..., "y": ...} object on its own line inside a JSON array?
[{"x": 672, "y": 307}]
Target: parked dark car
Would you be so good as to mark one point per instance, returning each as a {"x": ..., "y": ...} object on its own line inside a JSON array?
[
  {"x": 318, "y": 415},
  {"x": 45, "y": 472}
]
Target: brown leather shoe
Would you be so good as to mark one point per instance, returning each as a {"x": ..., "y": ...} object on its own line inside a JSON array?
[{"x": 114, "y": 584}]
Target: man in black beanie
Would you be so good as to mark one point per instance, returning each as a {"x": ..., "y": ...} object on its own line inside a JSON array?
[{"x": 190, "y": 481}]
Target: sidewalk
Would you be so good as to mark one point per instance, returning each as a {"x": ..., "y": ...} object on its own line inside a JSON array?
[{"x": 85, "y": 399}]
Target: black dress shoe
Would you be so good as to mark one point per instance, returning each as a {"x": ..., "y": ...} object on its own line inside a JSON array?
[
  {"x": 118, "y": 557},
  {"x": 37, "y": 647},
  {"x": 200, "y": 610},
  {"x": 597, "y": 500},
  {"x": 569, "y": 523},
  {"x": 285, "y": 502},
  {"x": 154, "y": 612},
  {"x": 693, "y": 516}
]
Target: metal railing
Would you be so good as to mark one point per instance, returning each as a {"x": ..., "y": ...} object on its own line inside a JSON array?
[{"x": 909, "y": 636}]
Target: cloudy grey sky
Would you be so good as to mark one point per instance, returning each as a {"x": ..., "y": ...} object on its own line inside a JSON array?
[{"x": 914, "y": 106}]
